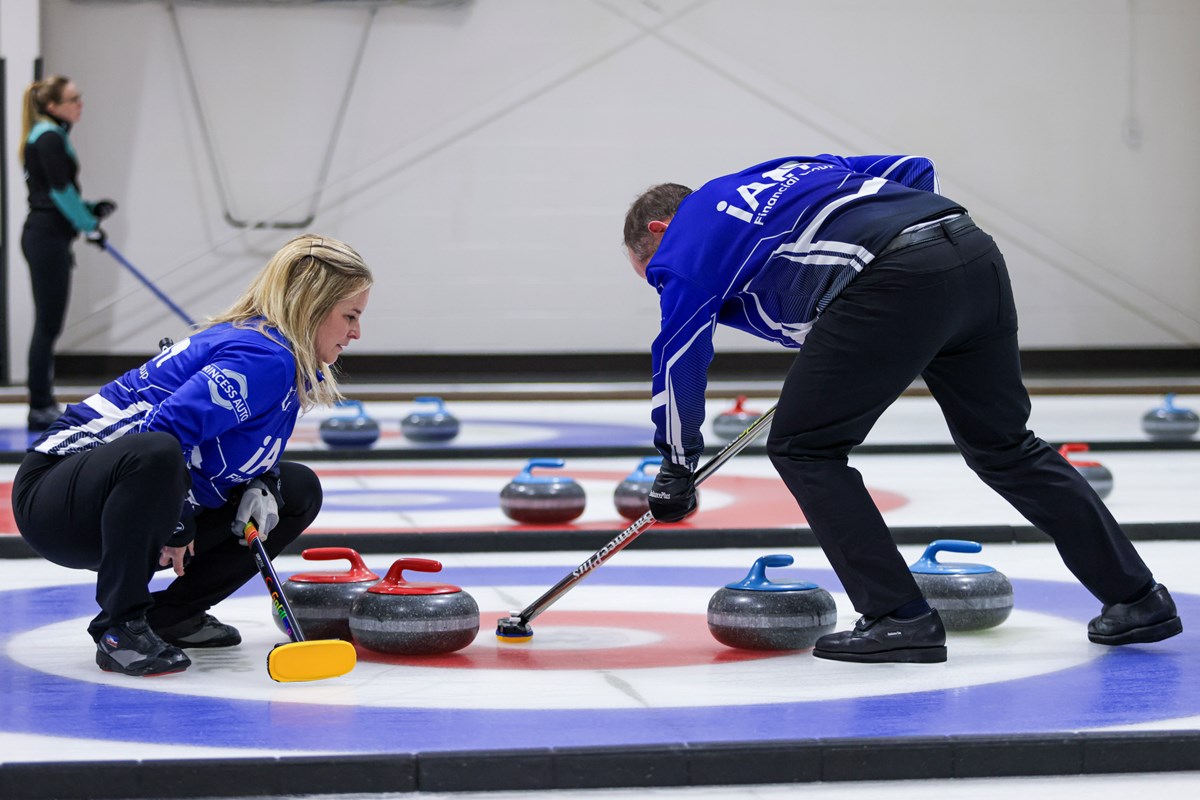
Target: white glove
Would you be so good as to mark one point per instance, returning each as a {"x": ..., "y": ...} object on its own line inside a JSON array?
[{"x": 257, "y": 504}]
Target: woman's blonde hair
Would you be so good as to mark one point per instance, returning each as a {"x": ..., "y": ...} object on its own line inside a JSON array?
[
  {"x": 294, "y": 293},
  {"x": 38, "y": 96}
]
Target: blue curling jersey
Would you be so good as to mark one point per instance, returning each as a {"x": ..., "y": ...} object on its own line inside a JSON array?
[
  {"x": 765, "y": 250},
  {"x": 227, "y": 394}
]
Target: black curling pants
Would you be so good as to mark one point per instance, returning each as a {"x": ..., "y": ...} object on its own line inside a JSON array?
[
  {"x": 942, "y": 310},
  {"x": 50, "y": 260},
  {"x": 113, "y": 508}
]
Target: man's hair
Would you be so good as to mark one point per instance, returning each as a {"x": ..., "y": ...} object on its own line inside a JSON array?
[{"x": 658, "y": 202}]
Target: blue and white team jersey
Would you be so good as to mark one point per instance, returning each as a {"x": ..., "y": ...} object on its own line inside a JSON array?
[
  {"x": 766, "y": 250},
  {"x": 227, "y": 394}
]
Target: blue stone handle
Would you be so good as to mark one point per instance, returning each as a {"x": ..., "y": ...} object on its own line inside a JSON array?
[
  {"x": 440, "y": 404},
  {"x": 929, "y": 564},
  {"x": 526, "y": 475},
  {"x": 353, "y": 404},
  {"x": 639, "y": 474},
  {"x": 756, "y": 579}
]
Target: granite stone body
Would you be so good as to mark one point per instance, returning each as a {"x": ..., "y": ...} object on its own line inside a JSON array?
[
  {"x": 433, "y": 423},
  {"x": 1170, "y": 422},
  {"x": 322, "y": 600},
  {"x": 349, "y": 432},
  {"x": 631, "y": 497},
  {"x": 399, "y": 617},
  {"x": 1098, "y": 476},
  {"x": 542, "y": 500},
  {"x": 757, "y": 614},
  {"x": 728, "y": 425},
  {"x": 968, "y": 597}
]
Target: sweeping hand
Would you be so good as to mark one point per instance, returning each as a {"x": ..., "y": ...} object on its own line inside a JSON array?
[
  {"x": 673, "y": 495},
  {"x": 97, "y": 237}
]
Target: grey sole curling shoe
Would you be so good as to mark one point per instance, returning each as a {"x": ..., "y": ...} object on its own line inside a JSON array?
[
  {"x": 887, "y": 640},
  {"x": 1151, "y": 619},
  {"x": 207, "y": 632}
]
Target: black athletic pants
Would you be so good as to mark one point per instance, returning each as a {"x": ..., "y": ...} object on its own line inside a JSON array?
[
  {"x": 50, "y": 260},
  {"x": 113, "y": 508},
  {"x": 942, "y": 310}
]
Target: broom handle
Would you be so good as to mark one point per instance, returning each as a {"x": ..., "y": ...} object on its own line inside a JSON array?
[
  {"x": 265, "y": 568},
  {"x": 626, "y": 537}
]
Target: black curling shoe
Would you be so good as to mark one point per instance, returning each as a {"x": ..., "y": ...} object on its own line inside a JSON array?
[
  {"x": 1151, "y": 619},
  {"x": 203, "y": 631},
  {"x": 920, "y": 640},
  {"x": 133, "y": 648},
  {"x": 40, "y": 419}
]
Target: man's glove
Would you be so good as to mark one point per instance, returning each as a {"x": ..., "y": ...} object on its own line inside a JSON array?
[
  {"x": 104, "y": 208},
  {"x": 97, "y": 236},
  {"x": 258, "y": 504},
  {"x": 673, "y": 495}
]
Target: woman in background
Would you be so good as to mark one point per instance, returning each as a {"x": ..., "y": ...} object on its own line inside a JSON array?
[{"x": 57, "y": 214}]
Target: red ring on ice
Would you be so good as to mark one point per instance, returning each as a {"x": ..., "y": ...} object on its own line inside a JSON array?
[{"x": 684, "y": 641}]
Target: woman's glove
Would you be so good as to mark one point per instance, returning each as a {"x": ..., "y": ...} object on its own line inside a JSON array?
[
  {"x": 103, "y": 208},
  {"x": 258, "y": 503}
]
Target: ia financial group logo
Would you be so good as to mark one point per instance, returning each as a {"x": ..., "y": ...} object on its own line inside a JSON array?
[{"x": 781, "y": 178}]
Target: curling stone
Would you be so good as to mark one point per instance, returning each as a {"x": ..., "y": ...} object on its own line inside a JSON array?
[
  {"x": 433, "y": 423},
  {"x": 756, "y": 614},
  {"x": 542, "y": 499},
  {"x": 632, "y": 494},
  {"x": 1170, "y": 422},
  {"x": 731, "y": 424},
  {"x": 1098, "y": 476},
  {"x": 396, "y": 616},
  {"x": 969, "y": 597},
  {"x": 322, "y": 600},
  {"x": 350, "y": 431}
]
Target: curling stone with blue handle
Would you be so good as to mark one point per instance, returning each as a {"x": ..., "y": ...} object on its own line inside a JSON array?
[
  {"x": 731, "y": 424},
  {"x": 632, "y": 495},
  {"x": 356, "y": 430},
  {"x": 1170, "y": 422},
  {"x": 968, "y": 597},
  {"x": 322, "y": 600},
  {"x": 430, "y": 423},
  {"x": 756, "y": 614},
  {"x": 1098, "y": 476},
  {"x": 542, "y": 499},
  {"x": 404, "y": 618}
]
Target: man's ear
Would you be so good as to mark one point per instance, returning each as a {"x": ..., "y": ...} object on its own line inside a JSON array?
[{"x": 656, "y": 226}]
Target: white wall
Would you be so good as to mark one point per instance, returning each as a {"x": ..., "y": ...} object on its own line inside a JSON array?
[
  {"x": 490, "y": 150},
  {"x": 19, "y": 24}
]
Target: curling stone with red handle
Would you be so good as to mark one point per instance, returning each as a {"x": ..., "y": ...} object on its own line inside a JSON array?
[
  {"x": 431, "y": 422},
  {"x": 731, "y": 424},
  {"x": 968, "y": 597},
  {"x": 632, "y": 495},
  {"x": 1170, "y": 422},
  {"x": 322, "y": 600},
  {"x": 405, "y": 618},
  {"x": 1098, "y": 476},
  {"x": 542, "y": 499},
  {"x": 756, "y": 614}
]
